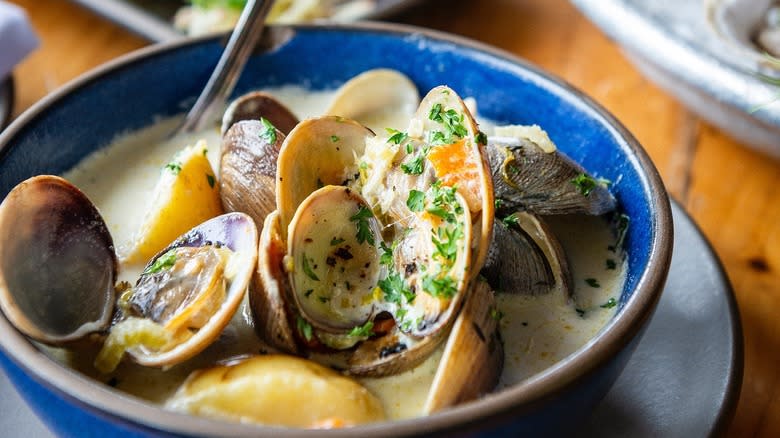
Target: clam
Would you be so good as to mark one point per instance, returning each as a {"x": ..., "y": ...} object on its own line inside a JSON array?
[
  {"x": 257, "y": 105},
  {"x": 248, "y": 168},
  {"x": 186, "y": 295},
  {"x": 380, "y": 238},
  {"x": 58, "y": 272},
  {"x": 529, "y": 173},
  {"x": 57, "y": 262},
  {"x": 526, "y": 258},
  {"x": 393, "y": 96},
  {"x": 473, "y": 356}
]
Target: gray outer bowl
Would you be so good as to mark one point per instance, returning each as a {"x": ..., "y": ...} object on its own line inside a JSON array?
[{"x": 553, "y": 398}]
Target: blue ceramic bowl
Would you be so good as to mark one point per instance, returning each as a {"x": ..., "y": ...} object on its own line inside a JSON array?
[{"x": 134, "y": 91}]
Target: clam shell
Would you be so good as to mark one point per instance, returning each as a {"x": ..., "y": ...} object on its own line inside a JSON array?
[
  {"x": 473, "y": 356},
  {"x": 256, "y": 105},
  {"x": 57, "y": 262},
  {"x": 526, "y": 177},
  {"x": 237, "y": 232},
  {"x": 247, "y": 169}
]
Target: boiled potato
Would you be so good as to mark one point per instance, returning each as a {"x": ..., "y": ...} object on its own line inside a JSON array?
[
  {"x": 277, "y": 390},
  {"x": 186, "y": 195}
]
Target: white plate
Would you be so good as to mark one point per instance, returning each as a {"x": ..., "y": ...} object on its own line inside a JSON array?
[
  {"x": 683, "y": 380},
  {"x": 676, "y": 45}
]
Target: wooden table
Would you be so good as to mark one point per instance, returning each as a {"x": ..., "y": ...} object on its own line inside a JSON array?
[{"x": 729, "y": 189}]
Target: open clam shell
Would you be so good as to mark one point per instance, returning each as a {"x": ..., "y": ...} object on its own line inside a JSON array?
[
  {"x": 257, "y": 105},
  {"x": 247, "y": 169},
  {"x": 543, "y": 180},
  {"x": 527, "y": 258},
  {"x": 187, "y": 294},
  {"x": 57, "y": 262},
  {"x": 473, "y": 356},
  {"x": 393, "y": 96},
  {"x": 411, "y": 237}
]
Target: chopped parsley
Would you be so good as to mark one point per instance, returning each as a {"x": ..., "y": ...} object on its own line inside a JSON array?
[
  {"x": 304, "y": 328},
  {"x": 416, "y": 200},
  {"x": 611, "y": 264},
  {"x": 580, "y": 312},
  {"x": 307, "y": 269},
  {"x": 269, "y": 131},
  {"x": 395, "y": 289},
  {"x": 174, "y": 167},
  {"x": 397, "y": 137},
  {"x": 622, "y": 229},
  {"x": 498, "y": 203},
  {"x": 387, "y": 253},
  {"x": 211, "y": 180},
  {"x": 496, "y": 314},
  {"x": 362, "y": 331},
  {"x": 308, "y": 293},
  {"x": 165, "y": 261},
  {"x": 609, "y": 304},
  {"x": 592, "y": 282},
  {"x": 453, "y": 125},
  {"x": 585, "y": 183},
  {"x": 364, "y": 233},
  {"x": 336, "y": 241},
  {"x": 447, "y": 243},
  {"x": 444, "y": 287},
  {"x": 443, "y": 202},
  {"x": 511, "y": 221},
  {"x": 334, "y": 138},
  {"x": 416, "y": 165}
]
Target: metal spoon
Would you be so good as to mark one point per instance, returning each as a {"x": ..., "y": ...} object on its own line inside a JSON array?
[{"x": 243, "y": 39}]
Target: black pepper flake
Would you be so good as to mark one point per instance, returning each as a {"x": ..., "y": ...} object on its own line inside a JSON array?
[
  {"x": 343, "y": 253},
  {"x": 308, "y": 240},
  {"x": 525, "y": 324},
  {"x": 330, "y": 261},
  {"x": 367, "y": 265},
  {"x": 113, "y": 382},
  {"x": 410, "y": 269},
  {"x": 393, "y": 349}
]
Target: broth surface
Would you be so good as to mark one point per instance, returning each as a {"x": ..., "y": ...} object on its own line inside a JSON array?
[{"x": 537, "y": 331}]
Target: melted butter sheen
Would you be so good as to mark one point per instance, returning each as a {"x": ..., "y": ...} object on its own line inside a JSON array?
[{"x": 537, "y": 331}]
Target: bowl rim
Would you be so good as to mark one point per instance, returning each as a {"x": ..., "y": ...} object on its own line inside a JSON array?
[{"x": 587, "y": 360}]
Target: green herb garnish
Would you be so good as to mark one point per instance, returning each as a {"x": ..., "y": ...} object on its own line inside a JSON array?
[
  {"x": 364, "y": 233},
  {"x": 165, "y": 261},
  {"x": 362, "y": 331},
  {"x": 511, "y": 221},
  {"x": 496, "y": 314},
  {"x": 397, "y": 137},
  {"x": 611, "y": 264},
  {"x": 269, "y": 131},
  {"x": 416, "y": 165},
  {"x": 453, "y": 125},
  {"x": 584, "y": 183},
  {"x": 334, "y": 138},
  {"x": 211, "y": 180},
  {"x": 395, "y": 289},
  {"x": 307, "y": 269},
  {"x": 334, "y": 241},
  {"x": 481, "y": 138},
  {"x": 304, "y": 328},
  {"x": 609, "y": 304},
  {"x": 592, "y": 282},
  {"x": 444, "y": 287},
  {"x": 416, "y": 200},
  {"x": 387, "y": 253},
  {"x": 174, "y": 167}
]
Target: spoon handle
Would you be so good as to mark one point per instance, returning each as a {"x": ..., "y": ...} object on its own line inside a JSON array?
[{"x": 242, "y": 41}]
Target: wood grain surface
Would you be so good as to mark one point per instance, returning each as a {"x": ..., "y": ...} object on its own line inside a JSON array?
[{"x": 730, "y": 190}]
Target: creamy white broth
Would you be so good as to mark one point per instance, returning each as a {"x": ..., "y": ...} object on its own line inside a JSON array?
[{"x": 537, "y": 331}]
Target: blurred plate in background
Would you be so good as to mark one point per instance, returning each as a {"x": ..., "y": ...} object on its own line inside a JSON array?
[
  {"x": 678, "y": 44},
  {"x": 6, "y": 101},
  {"x": 152, "y": 19}
]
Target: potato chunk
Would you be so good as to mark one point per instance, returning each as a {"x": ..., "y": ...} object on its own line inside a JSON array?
[
  {"x": 186, "y": 195},
  {"x": 277, "y": 390}
]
